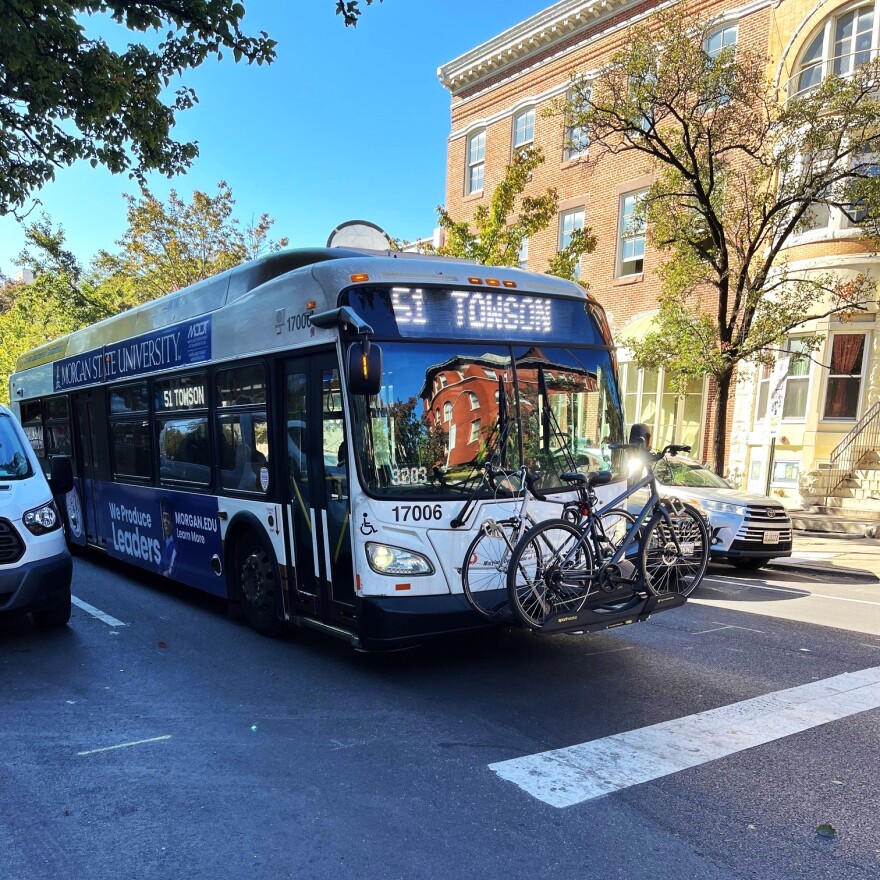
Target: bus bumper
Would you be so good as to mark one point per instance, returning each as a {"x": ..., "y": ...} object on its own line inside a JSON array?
[{"x": 389, "y": 622}]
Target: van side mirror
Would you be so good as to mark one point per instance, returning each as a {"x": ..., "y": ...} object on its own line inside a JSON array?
[
  {"x": 364, "y": 368},
  {"x": 60, "y": 474},
  {"x": 640, "y": 435}
]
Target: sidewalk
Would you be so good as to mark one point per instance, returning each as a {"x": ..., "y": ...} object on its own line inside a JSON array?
[{"x": 857, "y": 558}]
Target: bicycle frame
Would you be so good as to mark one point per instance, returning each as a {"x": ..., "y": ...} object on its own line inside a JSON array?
[{"x": 652, "y": 506}]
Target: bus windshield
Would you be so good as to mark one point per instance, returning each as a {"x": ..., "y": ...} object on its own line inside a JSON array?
[
  {"x": 14, "y": 463},
  {"x": 444, "y": 410}
]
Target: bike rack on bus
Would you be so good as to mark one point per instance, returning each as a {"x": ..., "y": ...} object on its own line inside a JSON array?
[{"x": 596, "y": 619}]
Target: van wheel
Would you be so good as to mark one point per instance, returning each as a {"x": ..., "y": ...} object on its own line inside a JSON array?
[
  {"x": 748, "y": 564},
  {"x": 257, "y": 585},
  {"x": 56, "y": 615}
]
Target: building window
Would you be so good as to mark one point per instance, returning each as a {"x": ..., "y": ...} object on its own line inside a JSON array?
[
  {"x": 447, "y": 412},
  {"x": 475, "y": 401},
  {"x": 650, "y": 398},
  {"x": 569, "y": 221},
  {"x": 844, "y": 386},
  {"x": 842, "y": 44},
  {"x": 785, "y": 473},
  {"x": 577, "y": 138},
  {"x": 523, "y": 128},
  {"x": 866, "y": 165},
  {"x": 491, "y": 374},
  {"x": 475, "y": 431},
  {"x": 631, "y": 245},
  {"x": 523, "y": 258},
  {"x": 721, "y": 39},
  {"x": 797, "y": 378},
  {"x": 476, "y": 160},
  {"x": 765, "y": 371}
]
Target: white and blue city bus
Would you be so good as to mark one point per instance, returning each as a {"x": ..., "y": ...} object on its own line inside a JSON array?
[{"x": 298, "y": 434}]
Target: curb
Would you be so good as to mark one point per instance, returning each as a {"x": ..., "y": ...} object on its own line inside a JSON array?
[{"x": 851, "y": 574}]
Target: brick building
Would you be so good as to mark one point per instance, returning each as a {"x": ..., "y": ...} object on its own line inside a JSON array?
[{"x": 501, "y": 93}]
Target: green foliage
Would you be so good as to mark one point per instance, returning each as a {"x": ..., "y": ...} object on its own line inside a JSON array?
[
  {"x": 169, "y": 246},
  {"x": 67, "y": 95},
  {"x": 495, "y": 234},
  {"x": 737, "y": 171},
  {"x": 31, "y": 318},
  {"x": 349, "y": 11},
  {"x": 166, "y": 247}
]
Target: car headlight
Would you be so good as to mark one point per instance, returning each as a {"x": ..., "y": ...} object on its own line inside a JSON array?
[
  {"x": 394, "y": 560},
  {"x": 42, "y": 519},
  {"x": 724, "y": 507}
]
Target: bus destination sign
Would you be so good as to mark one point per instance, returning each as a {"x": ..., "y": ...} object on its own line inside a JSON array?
[
  {"x": 177, "y": 346},
  {"x": 472, "y": 313}
]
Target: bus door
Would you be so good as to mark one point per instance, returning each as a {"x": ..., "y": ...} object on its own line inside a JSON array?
[
  {"x": 317, "y": 483},
  {"x": 90, "y": 430}
]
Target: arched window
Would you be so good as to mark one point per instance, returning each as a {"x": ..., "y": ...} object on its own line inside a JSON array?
[
  {"x": 447, "y": 411},
  {"x": 844, "y": 41}
]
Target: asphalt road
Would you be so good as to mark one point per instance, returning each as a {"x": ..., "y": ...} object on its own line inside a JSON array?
[{"x": 246, "y": 757}]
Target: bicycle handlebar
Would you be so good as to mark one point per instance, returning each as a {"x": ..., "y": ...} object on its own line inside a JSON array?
[{"x": 671, "y": 449}]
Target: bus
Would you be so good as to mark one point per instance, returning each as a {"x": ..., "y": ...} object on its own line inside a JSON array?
[{"x": 299, "y": 435}]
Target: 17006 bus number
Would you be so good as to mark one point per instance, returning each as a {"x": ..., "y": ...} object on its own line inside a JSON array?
[{"x": 417, "y": 512}]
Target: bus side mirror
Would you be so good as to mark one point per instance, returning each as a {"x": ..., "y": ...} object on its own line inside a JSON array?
[
  {"x": 364, "y": 368},
  {"x": 60, "y": 474}
]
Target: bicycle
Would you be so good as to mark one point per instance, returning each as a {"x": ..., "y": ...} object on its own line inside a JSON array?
[
  {"x": 557, "y": 568},
  {"x": 484, "y": 569}
]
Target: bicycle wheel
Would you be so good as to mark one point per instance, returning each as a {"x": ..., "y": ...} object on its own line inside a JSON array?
[
  {"x": 484, "y": 571},
  {"x": 674, "y": 554},
  {"x": 615, "y": 524},
  {"x": 550, "y": 572}
]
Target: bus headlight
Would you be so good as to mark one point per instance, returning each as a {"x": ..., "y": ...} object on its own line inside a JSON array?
[
  {"x": 394, "y": 560},
  {"x": 42, "y": 519}
]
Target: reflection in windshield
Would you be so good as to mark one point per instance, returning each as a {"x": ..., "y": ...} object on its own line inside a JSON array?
[
  {"x": 14, "y": 462},
  {"x": 680, "y": 471},
  {"x": 440, "y": 416}
]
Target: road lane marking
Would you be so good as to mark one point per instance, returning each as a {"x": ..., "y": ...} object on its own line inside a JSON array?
[
  {"x": 797, "y": 591},
  {"x": 568, "y": 776},
  {"x": 96, "y": 612},
  {"x": 137, "y": 742}
]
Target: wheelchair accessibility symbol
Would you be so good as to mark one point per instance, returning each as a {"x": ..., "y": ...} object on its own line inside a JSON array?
[{"x": 367, "y": 528}]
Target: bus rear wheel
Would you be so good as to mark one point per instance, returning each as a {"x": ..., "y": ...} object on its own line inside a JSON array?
[{"x": 257, "y": 585}]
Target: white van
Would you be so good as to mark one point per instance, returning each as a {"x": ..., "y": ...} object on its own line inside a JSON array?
[{"x": 35, "y": 565}]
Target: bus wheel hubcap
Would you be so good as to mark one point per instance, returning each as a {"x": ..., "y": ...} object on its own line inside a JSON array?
[{"x": 252, "y": 580}]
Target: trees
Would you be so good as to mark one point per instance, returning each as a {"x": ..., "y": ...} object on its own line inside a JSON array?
[
  {"x": 738, "y": 170},
  {"x": 497, "y": 231},
  {"x": 169, "y": 246},
  {"x": 349, "y": 11},
  {"x": 165, "y": 247},
  {"x": 65, "y": 94}
]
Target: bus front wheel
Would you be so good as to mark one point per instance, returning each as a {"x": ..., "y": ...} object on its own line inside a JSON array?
[{"x": 257, "y": 585}]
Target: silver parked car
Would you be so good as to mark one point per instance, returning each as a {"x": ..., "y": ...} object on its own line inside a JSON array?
[{"x": 747, "y": 529}]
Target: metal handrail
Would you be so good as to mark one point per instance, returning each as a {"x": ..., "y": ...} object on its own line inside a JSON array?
[{"x": 848, "y": 454}]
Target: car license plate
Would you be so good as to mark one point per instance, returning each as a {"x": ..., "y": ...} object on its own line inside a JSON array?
[
  {"x": 771, "y": 537},
  {"x": 687, "y": 548}
]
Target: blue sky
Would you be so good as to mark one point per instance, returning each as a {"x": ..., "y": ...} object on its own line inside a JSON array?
[{"x": 346, "y": 124}]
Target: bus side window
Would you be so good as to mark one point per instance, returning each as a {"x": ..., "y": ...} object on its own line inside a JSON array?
[
  {"x": 244, "y": 452},
  {"x": 32, "y": 421}
]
